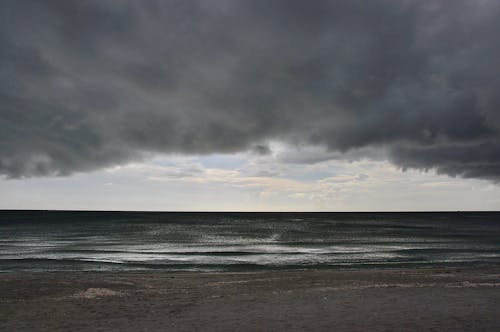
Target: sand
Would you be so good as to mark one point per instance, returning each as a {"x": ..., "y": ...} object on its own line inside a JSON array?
[{"x": 448, "y": 299}]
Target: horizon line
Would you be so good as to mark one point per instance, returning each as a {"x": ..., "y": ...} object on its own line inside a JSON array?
[{"x": 235, "y": 211}]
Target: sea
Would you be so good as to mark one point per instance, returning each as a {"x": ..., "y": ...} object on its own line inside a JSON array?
[{"x": 47, "y": 241}]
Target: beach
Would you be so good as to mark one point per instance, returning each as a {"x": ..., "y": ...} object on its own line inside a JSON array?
[{"x": 439, "y": 299}]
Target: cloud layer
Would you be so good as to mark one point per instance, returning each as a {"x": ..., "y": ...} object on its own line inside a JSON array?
[{"x": 90, "y": 84}]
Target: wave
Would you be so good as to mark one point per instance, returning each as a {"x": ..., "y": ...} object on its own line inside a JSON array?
[{"x": 44, "y": 265}]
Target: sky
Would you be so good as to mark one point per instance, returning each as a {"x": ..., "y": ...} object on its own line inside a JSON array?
[{"x": 250, "y": 105}]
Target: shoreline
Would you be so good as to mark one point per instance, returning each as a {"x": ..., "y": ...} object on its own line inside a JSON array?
[
  {"x": 448, "y": 298},
  {"x": 264, "y": 269}
]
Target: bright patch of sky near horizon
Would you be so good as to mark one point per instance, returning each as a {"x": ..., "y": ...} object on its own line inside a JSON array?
[{"x": 251, "y": 182}]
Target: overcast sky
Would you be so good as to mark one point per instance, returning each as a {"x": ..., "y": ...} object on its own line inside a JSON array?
[{"x": 250, "y": 105}]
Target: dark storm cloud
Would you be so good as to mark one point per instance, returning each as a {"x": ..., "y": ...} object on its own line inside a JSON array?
[{"x": 88, "y": 84}]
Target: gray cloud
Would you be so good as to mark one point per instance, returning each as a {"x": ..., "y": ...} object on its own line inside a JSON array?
[{"x": 89, "y": 84}]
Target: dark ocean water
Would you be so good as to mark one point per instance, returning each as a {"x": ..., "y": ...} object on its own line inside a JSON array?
[{"x": 104, "y": 241}]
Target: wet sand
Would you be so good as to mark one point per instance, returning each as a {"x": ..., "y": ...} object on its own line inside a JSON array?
[{"x": 448, "y": 299}]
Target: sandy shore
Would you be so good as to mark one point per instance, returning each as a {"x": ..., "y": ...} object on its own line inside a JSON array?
[{"x": 362, "y": 300}]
